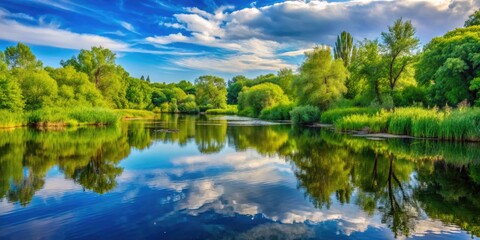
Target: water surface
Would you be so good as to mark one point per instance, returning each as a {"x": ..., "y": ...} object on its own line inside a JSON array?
[{"x": 193, "y": 177}]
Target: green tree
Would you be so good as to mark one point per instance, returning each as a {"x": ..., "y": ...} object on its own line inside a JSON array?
[
  {"x": 10, "y": 94},
  {"x": 473, "y": 20},
  {"x": 398, "y": 45},
  {"x": 39, "y": 89},
  {"x": 21, "y": 57},
  {"x": 235, "y": 86},
  {"x": 98, "y": 63},
  {"x": 211, "y": 92},
  {"x": 252, "y": 100},
  {"x": 450, "y": 67},
  {"x": 322, "y": 79},
  {"x": 345, "y": 50},
  {"x": 368, "y": 71},
  {"x": 285, "y": 79},
  {"x": 75, "y": 89}
]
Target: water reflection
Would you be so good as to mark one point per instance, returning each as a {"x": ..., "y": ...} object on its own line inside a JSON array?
[{"x": 245, "y": 181}]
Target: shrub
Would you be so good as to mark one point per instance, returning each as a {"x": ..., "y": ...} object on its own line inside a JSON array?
[
  {"x": 259, "y": 97},
  {"x": 278, "y": 112},
  {"x": 305, "y": 115}
]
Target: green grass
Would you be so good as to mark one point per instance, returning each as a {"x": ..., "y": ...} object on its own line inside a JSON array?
[
  {"x": 72, "y": 117},
  {"x": 358, "y": 122},
  {"x": 11, "y": 119},
  {"x": 134, "y": 113},
  {"x": 459, "y": 125},
  {"x": 305, "y": 115},
  {"x": 230, "y": 110},
  {"x": 332, "y": 115}
]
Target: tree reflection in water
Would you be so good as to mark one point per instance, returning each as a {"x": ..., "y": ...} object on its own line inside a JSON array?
[{"x": 403, "y": 181}]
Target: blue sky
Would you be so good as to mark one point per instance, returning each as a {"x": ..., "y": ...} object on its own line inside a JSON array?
[{"x": 174, "y": 40}]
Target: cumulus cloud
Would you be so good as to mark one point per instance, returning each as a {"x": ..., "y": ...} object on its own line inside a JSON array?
[{"x": 261, "y": 37}]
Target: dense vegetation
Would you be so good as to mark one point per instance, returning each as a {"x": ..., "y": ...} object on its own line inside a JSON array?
[{"x": 363, "y": 85}]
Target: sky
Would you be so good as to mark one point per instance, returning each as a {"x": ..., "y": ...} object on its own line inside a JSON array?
[{"x": 172, "y": 40}]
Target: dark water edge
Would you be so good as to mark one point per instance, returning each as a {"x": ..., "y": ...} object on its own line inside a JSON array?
[{"x": 211, "y": 177}]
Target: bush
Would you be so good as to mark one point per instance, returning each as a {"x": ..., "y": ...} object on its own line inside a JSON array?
[
  {"x": 305, "y": 115},
  {"x": 230, "y": 110},
  {"x": 259, "y": 97},
  {"x": 247, "y": 112},
  {"x": 333, "y": 115},
  {"x": 278, "y": 112}
]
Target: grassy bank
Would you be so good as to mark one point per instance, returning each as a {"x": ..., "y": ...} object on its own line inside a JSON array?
[
  {"x": 230, "y": 110},
  {"x": 60, "y": 117},
  {"x": 459, "y": 124}
]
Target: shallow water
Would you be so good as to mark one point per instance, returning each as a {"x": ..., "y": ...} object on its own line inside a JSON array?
[{"x": 190, "y": 177}]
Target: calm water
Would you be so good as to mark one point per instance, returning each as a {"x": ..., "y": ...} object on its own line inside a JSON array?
[{"x": 223, "y": 178}]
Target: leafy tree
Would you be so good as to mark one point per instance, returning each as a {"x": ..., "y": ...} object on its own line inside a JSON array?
[
  {"x": 368, "y": 71},
  {"x": 344, "y": 48},
  {"x": 75, "y": 89},
  {"x": 186, "y": 86},
  {"x": 21, "y": 57},
  {"x": 235, "y": 86},
  {"x": 211, "y": 92},
  {"x": 98, "y": 63},
  {"x": 39, "y": 89},
  {"x": 158, "y": 97},
  {"x": 252, "y": 100},
  {"x": 398, "y": 45},
  {"x": 322, "y": 79},
  {"x": 285, "y": 79},
  {"x": 138, "y": 93},
  {"x": 473, "y": 20},
  {"x": 10, "y": 94},
  {"x": 450, "y": 67}
]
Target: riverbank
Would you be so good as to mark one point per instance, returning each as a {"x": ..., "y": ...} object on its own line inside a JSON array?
[
  {"x": 461, "y": 124},
  {"x": 61, "y": 117}
]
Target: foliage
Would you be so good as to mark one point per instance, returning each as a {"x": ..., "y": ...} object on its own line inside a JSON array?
[
  {"x": 277, "y": 112},
  {"x": 398, "y": 46},
  {"x": 211, "y": 91},
  {"x": 305, "y": 115},
  {"x": 235, "y": 86},
  {"x": 322, "y": 79},
  {"x": 260, "y": 96},
  {"x": 474, "y": 19},
  {"x": 363, "y": 122},
  {"x": 449, "y": 67}
]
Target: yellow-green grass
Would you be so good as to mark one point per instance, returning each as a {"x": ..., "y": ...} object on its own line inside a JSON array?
[
  {"x": 332, "y": 115},
  {"x": 134, "y": 113},
  {"x": 230, "y": 110}
]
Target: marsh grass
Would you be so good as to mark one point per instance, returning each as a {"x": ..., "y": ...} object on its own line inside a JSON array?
[
  {"x": 230, "y": 110},
  {"x": 332, "y": 115},
  {"x": 134, "y": 113},
  {"x": 459, "y": 125},
  {"x": 10, "y": 119}
]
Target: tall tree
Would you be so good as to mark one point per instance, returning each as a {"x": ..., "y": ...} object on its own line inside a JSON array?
[
  {"x": 322, "y": 79},
  {"x": 21, "y": 57},
  {"x": 10, "y": 94},
  {"x": 398, "y": 45},
  {"x": 344, "y": 48},
  {"x": 235, "y": 86},
  {"x": 473, "y": 20},
  {"x": 285, "y": 79},
  {"x": 97, "y": 63},
  {"x": 211, "y": 92}
]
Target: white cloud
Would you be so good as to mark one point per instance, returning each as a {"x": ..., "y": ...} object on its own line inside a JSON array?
[
  {"x": 5, "y": 13},
  {"x": 128, "y": 26},
  {"x": 267, "y": 34}
]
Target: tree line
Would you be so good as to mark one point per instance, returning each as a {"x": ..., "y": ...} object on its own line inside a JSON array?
[{"x": 387, "y": 72}]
